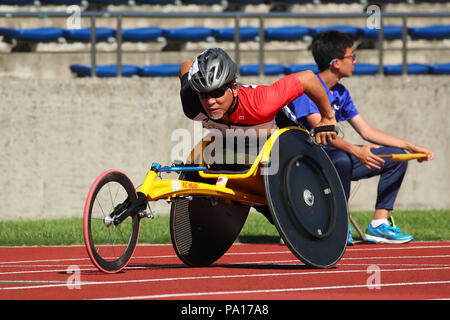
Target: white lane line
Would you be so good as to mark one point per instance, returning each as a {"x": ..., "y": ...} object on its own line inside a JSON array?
[
  {"x": 399, "y": 257},
  {"x": 260, "y": 275},
  {"x": 376, "y": 247},
  {"x": 175, "y": 256},
  {"x": 5, "y": 264},
  {"x": 226, "y": 254},
  {"x": 240, "y": 292},
  {"x": 270, "y": 262}
]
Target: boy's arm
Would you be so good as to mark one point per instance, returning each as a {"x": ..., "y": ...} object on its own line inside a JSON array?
[
  {"x": 377, "y": 136},
  {"x": 362, "y": 153}
]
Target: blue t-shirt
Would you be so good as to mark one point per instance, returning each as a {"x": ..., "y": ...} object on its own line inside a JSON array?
[{"x": 340, "y": 100}]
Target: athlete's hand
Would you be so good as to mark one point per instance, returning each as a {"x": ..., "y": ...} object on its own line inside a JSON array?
[{"x": 324, "y": 137}]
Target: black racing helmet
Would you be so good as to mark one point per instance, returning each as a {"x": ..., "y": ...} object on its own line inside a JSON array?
[{"x": 211, "y": 70}]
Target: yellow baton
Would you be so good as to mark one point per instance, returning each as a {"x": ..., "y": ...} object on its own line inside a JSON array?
[{"x": 404, "y": 156}]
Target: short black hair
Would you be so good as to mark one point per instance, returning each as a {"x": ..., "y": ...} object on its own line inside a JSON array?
[{"x": 329, "y": 45}]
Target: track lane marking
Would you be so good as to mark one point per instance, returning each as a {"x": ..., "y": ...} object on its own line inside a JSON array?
[
  {"x": 240, "y": 292},
  {"x": 260, "y": 275}
]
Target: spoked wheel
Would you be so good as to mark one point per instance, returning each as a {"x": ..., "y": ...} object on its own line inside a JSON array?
[{"x": 110, "y": 244}]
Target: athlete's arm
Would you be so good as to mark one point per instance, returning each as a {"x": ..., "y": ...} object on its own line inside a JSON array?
[
  {"x": 315, "y": 91},
  {"x": 185, "y": 66}
]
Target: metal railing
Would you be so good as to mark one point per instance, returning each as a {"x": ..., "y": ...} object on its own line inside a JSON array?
[{"x": 236, "y": 16}]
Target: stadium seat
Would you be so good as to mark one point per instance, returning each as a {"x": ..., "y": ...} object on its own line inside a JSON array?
[
  {"x": 343, "y": 1},
  {"x": 188, "y": 34},
  {"x": 84, "y": 34},
  {"x": 290, "y": 33},
  {"x": 105, "y": 71},
  {"x": 17, "y": 2},
  {"x": 412, "y": 68},
  {"x": 206, "y": 2},
  {"x": 239, "y": 5},
  {"x": 161, "y": 70},
  {"x": 296, "y": 1},
  {"x": 430, "y": 32},
  {"x": 390, "y": 32},
  {"x": 440, "y": 68},
  {"x": 109, "y": 2},
  {"x": 227, "y": 34},
  {"x": 60, "y": 2},
  {"x": 363, "y": 69},
  {"x": 155, "y": 1},
  {"x": 46, "y": 34},
  {"x": 269, "y": 69},
  {"x": 141, "y": 34},
  {"x": 248, "y": 1},
  {"x": 293, "y": 68},
  {"x": 354, "y": 31}
]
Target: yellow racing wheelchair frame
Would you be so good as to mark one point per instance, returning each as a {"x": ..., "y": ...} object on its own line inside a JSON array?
[{"x": 167, "y": 189}]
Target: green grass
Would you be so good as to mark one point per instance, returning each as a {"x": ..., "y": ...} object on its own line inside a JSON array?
[{"x": 425, "y": 225}]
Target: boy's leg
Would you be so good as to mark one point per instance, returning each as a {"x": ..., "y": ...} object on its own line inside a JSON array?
[{"x": 391, "y": 177}]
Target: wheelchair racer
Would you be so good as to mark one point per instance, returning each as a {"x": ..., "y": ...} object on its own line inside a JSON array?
[{"x": 209, "y": 93}]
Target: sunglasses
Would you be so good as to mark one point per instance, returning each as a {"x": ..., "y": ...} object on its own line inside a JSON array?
[
  {"x": 216, "y": 93},
  {"x": 353, "y": 56}
]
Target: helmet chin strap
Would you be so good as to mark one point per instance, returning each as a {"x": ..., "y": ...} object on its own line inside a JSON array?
[{"x": 233, "y": 104}]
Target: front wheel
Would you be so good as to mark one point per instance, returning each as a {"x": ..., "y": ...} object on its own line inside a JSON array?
[{"x": 110, "y": 246}]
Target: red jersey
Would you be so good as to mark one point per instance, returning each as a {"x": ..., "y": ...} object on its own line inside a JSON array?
[
  {"x": 255, "y": 104},
  {"x": 260, "y": 104}
]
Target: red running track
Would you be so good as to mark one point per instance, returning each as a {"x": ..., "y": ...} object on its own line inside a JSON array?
[{"x": 418, "y": 270}]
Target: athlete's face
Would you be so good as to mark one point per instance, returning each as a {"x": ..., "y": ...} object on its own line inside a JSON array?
[{"x": 217, "y": 106}]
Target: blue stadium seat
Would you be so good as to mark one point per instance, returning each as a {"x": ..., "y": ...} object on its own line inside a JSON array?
[
  {"x": 227, "y": 34},
  {"x": 363, "y": 69},
  {"x": 354, "y": 31},
  {"x": 412, "y": 68},
  {"x": 9, "y": 32},
  {"x": 269, "y": 69},
  {"x": 287, "y": 33},
  {"x": 440, "y": 68},
  {"x": 160, "y": 70},
  {"x": 296, "y": 1},
  {"x": 59, "y": 2},
  {"x": 155, "y": 1},
  {"x": 109, "y": 2},
  {"x": 293, "y": 68},
  {"x": 188, "y": 34},
  {"x": 84, "y": 34},
  {"x": 141, "y": 34},
  {"x": 46, "y": 34},
  {"x": 105, "y": 71},
  {"x": 390, "y": 32},
  {"x": 248, "y": 1},
  {"x": 17, "y": 2},
  {"x": 207, "y": 2},
  {"x": 430, "y": 32},
  {"x": 343, "y": 1}
]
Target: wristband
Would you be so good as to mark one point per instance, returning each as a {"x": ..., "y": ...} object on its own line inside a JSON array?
[{"x": 324, "y": 129}]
